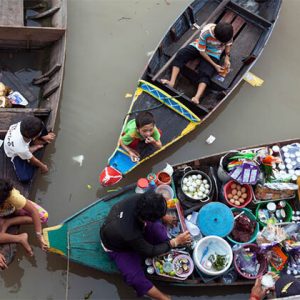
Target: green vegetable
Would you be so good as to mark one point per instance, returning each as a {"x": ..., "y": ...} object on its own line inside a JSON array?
[{"x": 220, "y": 262}]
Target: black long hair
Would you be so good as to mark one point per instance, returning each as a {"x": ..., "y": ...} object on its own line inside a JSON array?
[
  {"x": 5, "y": 189},
  {"x": 151, "y": 206}
]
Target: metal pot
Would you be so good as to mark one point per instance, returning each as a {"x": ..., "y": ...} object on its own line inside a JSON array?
[{"x": 188, "y": 171}]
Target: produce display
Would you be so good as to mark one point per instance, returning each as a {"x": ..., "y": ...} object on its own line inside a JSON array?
[{"x": 262, "y": 220}]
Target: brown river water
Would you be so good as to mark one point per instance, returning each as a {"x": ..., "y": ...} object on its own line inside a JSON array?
[{"x": 108, "y": 46}]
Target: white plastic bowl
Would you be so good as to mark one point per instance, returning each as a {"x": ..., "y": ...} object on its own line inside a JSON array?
[
  {"x": 166, "y": 191},
  {"x": 200, "y": 251}
]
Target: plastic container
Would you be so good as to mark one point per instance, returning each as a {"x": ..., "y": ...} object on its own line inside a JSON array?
[
  {"x": 262, "y": 261},
  {"x": 288, "y": 210},
  {"x": 163, "y": 178},
  {"x": 251, "y": 216},
  {"x": 202, "y": 249},
  {"x": 166, "y": 191},
  {"x": 227, "y": 189},
  {"x": 142, "y": 186}
]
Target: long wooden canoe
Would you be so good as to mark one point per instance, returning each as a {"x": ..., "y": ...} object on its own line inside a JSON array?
[
  {"x": 32, "y": 47},
  {"x": 77, "y": 238},
  {"x": 174, "y": 113}
]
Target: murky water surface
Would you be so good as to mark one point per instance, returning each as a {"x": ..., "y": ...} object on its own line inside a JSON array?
[{"x": 108, "y": 42}]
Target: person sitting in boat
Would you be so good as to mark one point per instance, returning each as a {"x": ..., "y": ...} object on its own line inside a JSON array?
[
  {"x": 213, "y": 39},
  {"x": 3, "y": 264},
  {"x": 135, "y": 230},
  {"x": 21, "y": 141},
  {"x": 285, "y": 286},
  {"x": 141, "y": 137},
  {"x": 15, "y": 209}
]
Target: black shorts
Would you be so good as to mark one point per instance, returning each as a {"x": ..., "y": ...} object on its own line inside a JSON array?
[{"x": 205, "y": 70}]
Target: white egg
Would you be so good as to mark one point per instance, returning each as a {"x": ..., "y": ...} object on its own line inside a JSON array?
[
  {"x": 207, "y": 191},
  {"x": 194, "y": 176},
  {"x": 199, "y": 176},
  {"x": 206, "y": 186},
  {"x": 204, "y": 181},
  {"x": 185, "y": 180},
  {"x": 198, "y": 181},
  {"x": 191, "y": 189},
  {"x": 194, "y": 184},
  {"x": 200, "y": 194},
  {"x": 202, "y": 188},
  {"x": 188, "y": 183},
  {"x": 185, "y": 188}
]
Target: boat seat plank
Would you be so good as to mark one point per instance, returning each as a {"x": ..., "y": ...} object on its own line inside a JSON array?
[
  {"x": 14, "y": 115},
  {"x": 241, "y": 48},
  {"x": 11, "y": 13}
]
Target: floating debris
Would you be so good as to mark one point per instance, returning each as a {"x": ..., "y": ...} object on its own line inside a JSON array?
[
  {"x": 253, "y": 79},
  {"x": 128, "y": 95},
  {"x": 79, "y": 159}
]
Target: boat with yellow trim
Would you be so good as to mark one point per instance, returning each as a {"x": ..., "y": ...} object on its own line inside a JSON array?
[{"x": 174, "y": 113}]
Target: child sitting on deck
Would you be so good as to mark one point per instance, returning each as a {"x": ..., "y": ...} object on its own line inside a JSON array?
[
  {"x": 212, "y": 41},
  {"x": 141, "y": 137},
  {"x": 15, "y": 209},
  {"x": 21, "y": 141}
]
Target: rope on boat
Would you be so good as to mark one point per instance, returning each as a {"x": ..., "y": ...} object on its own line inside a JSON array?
[{"x": 68, "y": 266}]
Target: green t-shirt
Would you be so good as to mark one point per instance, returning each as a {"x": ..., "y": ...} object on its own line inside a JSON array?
[{"x": 130, "y": 133}]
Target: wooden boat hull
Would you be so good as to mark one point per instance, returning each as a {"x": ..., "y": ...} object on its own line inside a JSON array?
[
  {"x": 28, "y": 50},
  {"x": 77, "y": 237},
  {"x": 252, "y": 30}
]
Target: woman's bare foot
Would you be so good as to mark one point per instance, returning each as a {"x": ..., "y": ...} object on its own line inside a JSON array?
[
  {"x": 168, "y": 82},
  {"x": 195, "y": 100},
  {"x": 24, "y": 242}
]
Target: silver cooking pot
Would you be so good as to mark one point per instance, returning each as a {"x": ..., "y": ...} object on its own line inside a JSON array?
[{"x": 188, "y": 171}]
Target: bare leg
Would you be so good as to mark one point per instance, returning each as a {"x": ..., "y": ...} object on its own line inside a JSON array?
[
  {"x": 6, "y": 223},
  {"x": 19, "y": 238},
  {"x": 155, "y": 293},
  {"x": 201, "y": 88},
  {"x": 171, "y": 82}
]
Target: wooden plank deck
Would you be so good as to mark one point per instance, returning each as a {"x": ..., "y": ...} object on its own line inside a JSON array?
[{"x": 11, "y": 13}]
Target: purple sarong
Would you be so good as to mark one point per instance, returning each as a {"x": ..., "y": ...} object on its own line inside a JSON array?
[{"x": 130, "y": 263}]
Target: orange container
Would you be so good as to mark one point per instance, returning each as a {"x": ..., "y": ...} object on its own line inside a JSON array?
[
  {"x": 163, "y": 178},
  {"x": 227, "y": 190}
]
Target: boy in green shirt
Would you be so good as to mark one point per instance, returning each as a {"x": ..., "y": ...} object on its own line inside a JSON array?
[{"x": 141, "y": 137}]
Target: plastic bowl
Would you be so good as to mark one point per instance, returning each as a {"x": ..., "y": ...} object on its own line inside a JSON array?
[
  {"x": 251, "y": 216},
  {"x": 166, "y": 191},
  {"x": 227, "y": 189},
  {"x": 262, "y": 261},
  {"x": 191, "y": 265},
  {"x": 202, "y": 248},
  {"x": 288, "y": 210}
]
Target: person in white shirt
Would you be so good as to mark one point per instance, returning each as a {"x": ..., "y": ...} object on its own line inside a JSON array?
[{"x": 21, "y": 141}]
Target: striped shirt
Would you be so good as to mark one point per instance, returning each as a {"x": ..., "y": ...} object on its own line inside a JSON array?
[{"x": 207, "y": 42}]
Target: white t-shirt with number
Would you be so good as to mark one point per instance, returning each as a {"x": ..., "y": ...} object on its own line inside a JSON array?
[{"x": 14, "y": 143}]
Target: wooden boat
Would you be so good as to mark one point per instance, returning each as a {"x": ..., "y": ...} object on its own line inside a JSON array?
[
  {"x": 77, "y": 238},
  {"x": 174, "y": 113},
  {"x": 32, "y": 58}
]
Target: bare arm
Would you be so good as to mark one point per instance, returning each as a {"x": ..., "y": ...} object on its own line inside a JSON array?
[
  {"x": 36, "y": 162},
  {"x": 227, "y": 56},
  {"x": 132, "y": 153}
]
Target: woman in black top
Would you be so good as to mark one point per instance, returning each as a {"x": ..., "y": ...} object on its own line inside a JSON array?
[{"x": 134, "y": 230}]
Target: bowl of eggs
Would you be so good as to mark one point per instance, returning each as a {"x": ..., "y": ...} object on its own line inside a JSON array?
[
  {"x": 237, "y": 195},
  {"x": 196, "y": 186}
]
